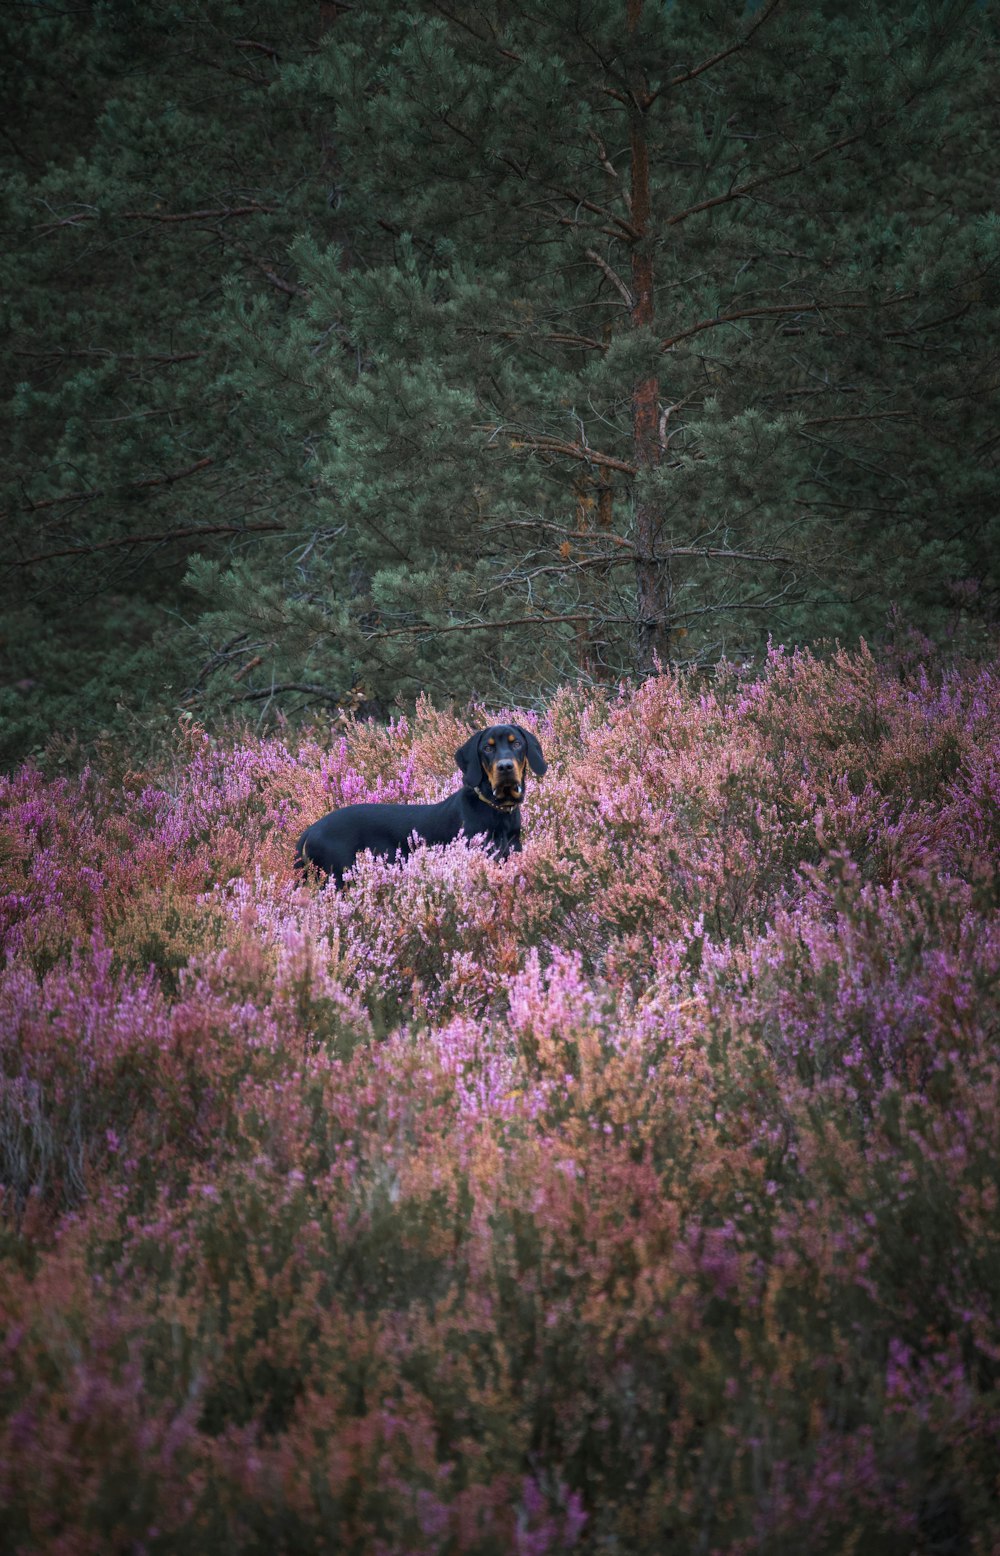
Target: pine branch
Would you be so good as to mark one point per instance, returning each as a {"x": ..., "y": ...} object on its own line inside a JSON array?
[
  {"x": 779, "y": 173},
  {"x": 932, "y": 324},
  {"x": 776, "y": 309},
  {"x": 584, "y": 204},
  {"x": 457, "y": 20},
  {"x": 102, "y": 491},
  {"x": 142, "y": 540},
  {"x": 716, "y": 59}
]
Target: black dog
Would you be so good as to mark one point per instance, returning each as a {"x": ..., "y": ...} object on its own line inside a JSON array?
[{"x": 494, "y": 766}]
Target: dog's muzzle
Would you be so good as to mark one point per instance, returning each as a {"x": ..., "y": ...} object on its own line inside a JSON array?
[{"x": 505, "y": 782}]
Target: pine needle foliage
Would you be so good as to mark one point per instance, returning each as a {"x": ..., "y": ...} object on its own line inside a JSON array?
[{"x": 467, "y": 348}]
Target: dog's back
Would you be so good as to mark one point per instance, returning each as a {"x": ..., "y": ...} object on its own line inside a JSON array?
[
  {"x": 493, "y": 764},
  {"x": 334, "y": 842}
]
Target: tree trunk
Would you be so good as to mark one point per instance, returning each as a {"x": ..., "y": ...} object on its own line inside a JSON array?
[{"x": 652, "y": 632}]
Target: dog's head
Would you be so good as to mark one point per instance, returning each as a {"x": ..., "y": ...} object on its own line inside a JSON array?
[{"x": 501, "y": 755}]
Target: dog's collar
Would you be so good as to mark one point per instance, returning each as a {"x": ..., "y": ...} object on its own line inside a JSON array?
[{"x": 504, "y": 809}]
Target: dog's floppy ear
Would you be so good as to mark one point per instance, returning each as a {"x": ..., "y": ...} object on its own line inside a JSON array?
[
  {"x": 536, "y": 760},
  {"x": 467, "y": 757}
]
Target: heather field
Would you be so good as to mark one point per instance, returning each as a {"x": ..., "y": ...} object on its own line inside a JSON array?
[{"x": 638, "y": 1194}]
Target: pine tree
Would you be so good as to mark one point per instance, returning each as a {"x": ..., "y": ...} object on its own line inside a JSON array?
[
  {"x": 146, "y": 163},
  {"x": 659, "y": 330},
  {"x": 520, "y": 341}
]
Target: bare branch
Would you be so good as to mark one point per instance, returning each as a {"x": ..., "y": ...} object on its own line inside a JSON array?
[
  {"x": 288, "y": 287},
  {"x": 336, "y": 698},
  {"x": 610, "y": 169},
  {"x": 251, "y": 664},
  {"x": 825, "y": 421},
  {"x": 612, "y": 276},
  {"x": 162, "y": 359},
  {"x": 262, "y": 48},
  {"x": 702, "y": 552},
  {"x": 221, "y": 213},
  {"x": 583, "y": 204},
  {"x": 605, "y": 537},
  {"x": 422, "y": 630},
  {"x": 556, "y": 337},
  {"x": 589, "y": 456}
]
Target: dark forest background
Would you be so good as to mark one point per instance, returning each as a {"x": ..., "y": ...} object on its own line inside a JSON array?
[{"x": 358, "y": 350}]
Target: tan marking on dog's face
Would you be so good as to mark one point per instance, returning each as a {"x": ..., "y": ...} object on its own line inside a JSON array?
[
  {"x": 520, "y": 755},
  {"x": 507, "y": 745}
]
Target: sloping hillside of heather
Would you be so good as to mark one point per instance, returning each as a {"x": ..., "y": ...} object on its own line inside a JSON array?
[{"x": 637, "y": 1194}]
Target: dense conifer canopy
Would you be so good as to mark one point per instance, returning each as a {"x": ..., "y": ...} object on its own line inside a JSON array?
[{"x": 353, "y": 352}]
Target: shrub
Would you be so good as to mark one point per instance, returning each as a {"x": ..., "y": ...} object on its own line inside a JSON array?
[{"x": 640, "y": 1192}]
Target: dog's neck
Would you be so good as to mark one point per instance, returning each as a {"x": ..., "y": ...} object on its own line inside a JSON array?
[{"x": 505, "y": 808}]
